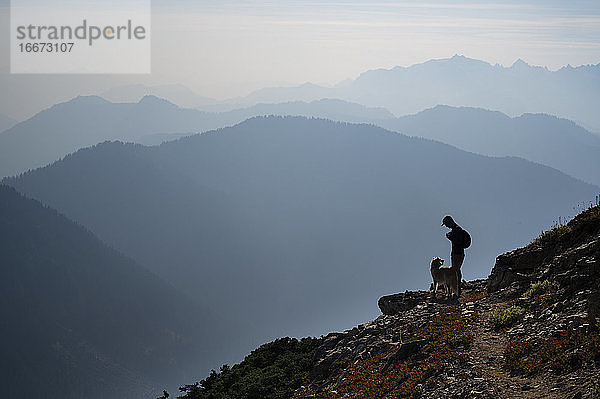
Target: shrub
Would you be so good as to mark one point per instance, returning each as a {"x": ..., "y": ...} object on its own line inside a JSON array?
[
  {"x": 567, "y": 351},
  {"x": 506, "y": 317},
  {"x": 539, "y": 288},
  {"x": 516, "y": 358},
  {"x": 272, "y": 371},
  {"x": 549, "y": 237},
  {"x": 476, "y": 296}
]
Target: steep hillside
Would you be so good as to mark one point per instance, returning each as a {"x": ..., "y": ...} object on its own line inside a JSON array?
[
  {"x": 291, "y": 226},
  {"x": 82, "y": 320},
  {"x": 551, "y": 141},
  {"x": 531, "y": 330}
]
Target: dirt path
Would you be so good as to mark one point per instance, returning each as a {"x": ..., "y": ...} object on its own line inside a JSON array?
[{"x": 486, "y": 354}]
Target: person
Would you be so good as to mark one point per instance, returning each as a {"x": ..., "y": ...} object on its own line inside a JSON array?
[{"x": 460, "y": 240}]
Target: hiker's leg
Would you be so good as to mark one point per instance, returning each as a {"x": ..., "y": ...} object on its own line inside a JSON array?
[{"x": 457, "y": 261}]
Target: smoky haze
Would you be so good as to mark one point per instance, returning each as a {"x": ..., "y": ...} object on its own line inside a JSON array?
[
  {"x": 295, "y": 226},
  {"x": 283, "y": 166}
]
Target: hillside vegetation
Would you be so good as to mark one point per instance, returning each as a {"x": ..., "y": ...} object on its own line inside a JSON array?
[{"x": 273, "y": 371}]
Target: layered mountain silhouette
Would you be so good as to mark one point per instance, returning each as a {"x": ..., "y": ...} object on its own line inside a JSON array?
[
  {"x": 81, "y": 320},
  {"x": 541, "y": 138},
  {"x": 88, "y": 120},
  {"x": 85, "y": 121},
  {"x": 291, "y": 226},
  {"x": 570, "y": 92}
]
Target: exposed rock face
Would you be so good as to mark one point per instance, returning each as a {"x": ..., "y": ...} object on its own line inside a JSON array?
[
  {"x": 513, "y": 267},
  {"x": 572, "y": 254}
]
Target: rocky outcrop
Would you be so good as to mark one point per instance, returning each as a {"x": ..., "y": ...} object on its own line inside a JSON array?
[
  {"x": 514, "y": 267},
  {"x": 398, "y": 303},
  {"x": 381, "y": 335},
  {"x": 572, "y": 249}
]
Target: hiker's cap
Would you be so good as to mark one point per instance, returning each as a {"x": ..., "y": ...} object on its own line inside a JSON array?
[{"x": 448, "y": 221}]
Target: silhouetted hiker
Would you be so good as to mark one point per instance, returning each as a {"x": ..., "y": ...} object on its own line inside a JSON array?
[{"x": 460, "y": 240}]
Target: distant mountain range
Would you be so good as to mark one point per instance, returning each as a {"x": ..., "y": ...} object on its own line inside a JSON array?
[
  {"x": 570, "y": 92},
  {"x": 83, "y": 321},
  {"x": 460, "y": 81},
  {"x": 85, "y": 121},
  {"x": 541, "y": 138},
  {"x": 292, "y": 226}
]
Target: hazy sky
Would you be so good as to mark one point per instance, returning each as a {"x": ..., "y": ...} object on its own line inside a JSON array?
[
  {"x": 228, "y": 48},
  {"x": 256, "y": 43}
]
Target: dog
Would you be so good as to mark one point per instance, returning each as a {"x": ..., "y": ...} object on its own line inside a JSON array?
[{"x": 443, "y": 275}]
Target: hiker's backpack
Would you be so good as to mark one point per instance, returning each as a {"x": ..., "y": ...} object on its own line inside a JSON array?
[{"x": 466, "y": 239}]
